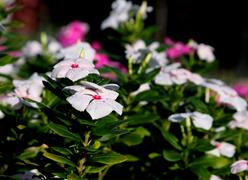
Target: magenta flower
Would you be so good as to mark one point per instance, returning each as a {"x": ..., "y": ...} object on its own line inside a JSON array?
[
  {"x": 177, "y": 50},
  {"x": 241, "y": 89},
  {"x": 72, "y": 33}
]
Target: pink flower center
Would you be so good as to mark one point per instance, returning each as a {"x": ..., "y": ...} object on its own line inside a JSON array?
[
  {"x": 97, "y": 97},
  {"x": 74, "y": 65},
  {"x": 218, "y": 145}
]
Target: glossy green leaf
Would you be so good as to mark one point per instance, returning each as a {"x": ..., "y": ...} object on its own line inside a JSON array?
[
  {"x": 62, "y": 131},
  {"x": 59, "y": 159},
  {"x": 172, "y": 156},
  {"x": 109, "y": 158}
]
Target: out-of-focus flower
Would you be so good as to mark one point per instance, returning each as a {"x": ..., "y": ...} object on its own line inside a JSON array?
[
  {"x": 226, "y": 95},
  {"x": 240, "y": 120},
  {"x": 98, "y": 101},
  {"x": 222, "y": 148},
  {"x": 200, "y": 120},
  {"x": 119, "y": 14},
  {"x": 53, "y": 47},
  {"x": 32, "y": 49},
  {"x": 142, "y": 88},
  {"x": 72, "y": 33},
  {"x": 1, "y": 115},
  {"x": 239, "y": 166},
  {"x": 79, "y": 50},
  {"x": 74, "y": 69},
  {"x": 11, "y": 100},
  {"x": 241, "y": 89},
  {"x": 29, "y": 175},
  {"x": 138, "y": 51},
  {"x": 177, "y": 49},
  {"x": 30, "y": 88},
  {"x": 122, "y": 11},
  {"x": 205, "y": 52},
  {"x": 214, "y": 177},
  {"x": 7, "y": 69},
  {"x": 171, "y": 74}
]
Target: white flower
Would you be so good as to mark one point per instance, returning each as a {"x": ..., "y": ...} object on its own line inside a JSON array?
[
  {"x": 239, "y": 166},
  {"x": 226, "y": 95},
  {"x": 11, "y": 100},
  {"x": 80, "y": 50},
  {"x": 142, "y": 88},
  {"x": 73, "y": 69},
  {"x": 7, "y": 69},
  {"x": 170, "y": 75},
  {"x": 199, "y": 120},
  {"x": 179, "y": 117},
  {"x": 119, "y": 14},
  {"x": 222, "y": 148},
  {"x": 30, "y": 88},
  {"x": 205, "y": 52},
  {"x": 32, "y": 49},
  {"x": 54, "y": 46},
  {"x": 1, "y": 115},
  {"x": 98, "y": 101},
  {"x": 214, "y": 177},
  {"x": 240, "y": 120},
  {"x": 138, "y": 51},
  {"x": 29, "y": 175}
]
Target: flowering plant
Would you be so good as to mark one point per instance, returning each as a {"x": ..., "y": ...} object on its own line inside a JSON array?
[{"x": 74, "y": 110}]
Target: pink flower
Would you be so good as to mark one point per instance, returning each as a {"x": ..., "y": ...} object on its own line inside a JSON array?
[
  {"x": 177, "y": 49},
  {"x": 239, "y": 166},
  {"x": 241, "y": 89},
  {"x": 96, "y": 45},
  {"x": 72, "y": 33}
]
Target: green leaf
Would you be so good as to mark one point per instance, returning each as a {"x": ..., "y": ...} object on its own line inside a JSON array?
[
  {"x": 61, "y": 150},
  {"x": 170, "y": 138},
  {"x": 172, "y": 156},
  {"x": 201, "y": 172},
  {"x": 93, "y": 169},
  {"x": 29, "y": 153},
  {"x": 140, "y": 119},
  {"x": 135, "y": 137},
  {"x": 154, "y": 155},
  {"x": 202, "y": 145},
  {"x": 62, "y": 131},
  {"x": 109, "y": 158},
  {"x": 210, "y": 161},
  {"x": 6, "y": 60},
  {"x": 147, "y": 77},
  {"x": 59, "y": 159},
  {"x": 149, "y": 95}
]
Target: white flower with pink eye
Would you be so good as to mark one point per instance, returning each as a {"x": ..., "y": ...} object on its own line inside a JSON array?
[
  {"x": 98, "y": 101},
  {"x": 214, "y": 177},
  {"x": 79, "y": 50},
  {"x": 240, "y": 120},
  {"x": 222, "y": 149},
  {"x": 205, "y": 52},
  {"x": 239, "y": 166},
  {"x": 199, "y": 120},
  {"x": 30, "y": 88},
  {"x": 1, "y": 115},
  {"x": 32, "y": 49},
  {"x": 73, "y": 69}
]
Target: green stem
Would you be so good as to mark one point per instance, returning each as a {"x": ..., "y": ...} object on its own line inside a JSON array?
[
  {"x": 145, "y": 63},
  {"x": 130, "y": 66},
  {"x": 102, "y": 174},
  {"x": 207, "y": 95}
]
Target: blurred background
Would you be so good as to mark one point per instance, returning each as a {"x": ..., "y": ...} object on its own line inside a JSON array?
[{"x": 221, "y": 24}]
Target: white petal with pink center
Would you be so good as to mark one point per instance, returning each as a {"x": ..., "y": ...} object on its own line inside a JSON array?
[
  {"x": 239, "y": 166},
  {"x": 73, "y": 69},
  {"x": 222, "y": 148},
  {"x": 96, "y": 100}
]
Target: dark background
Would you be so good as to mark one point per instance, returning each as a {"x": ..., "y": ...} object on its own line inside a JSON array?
[{"x": 220, "y": 24}]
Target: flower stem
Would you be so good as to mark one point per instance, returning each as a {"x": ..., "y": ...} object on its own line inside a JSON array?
[
  {"x": 130, "y": 66},
  {"x": 145, "y": 63},
  {"x": 207, "y": 95}
]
